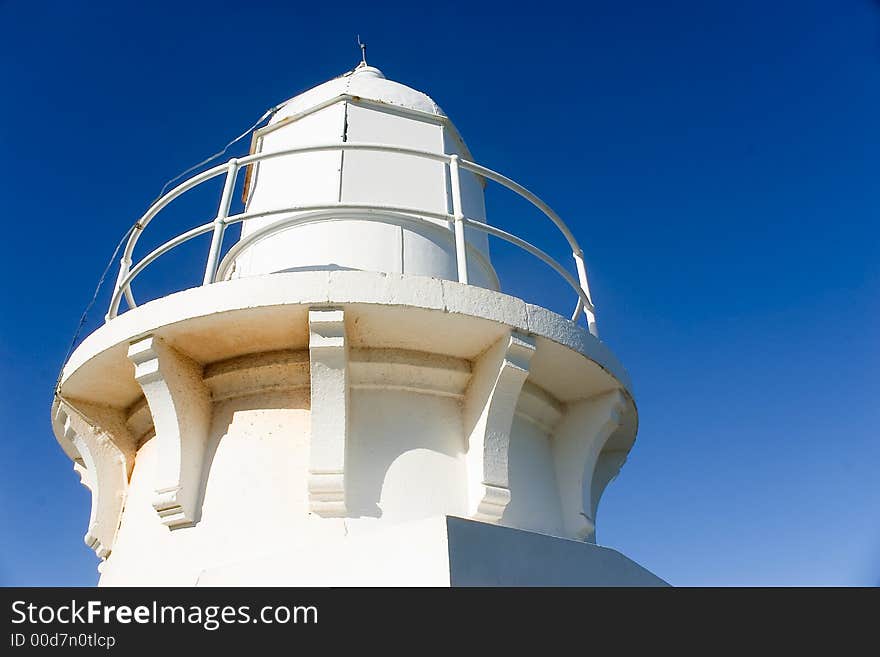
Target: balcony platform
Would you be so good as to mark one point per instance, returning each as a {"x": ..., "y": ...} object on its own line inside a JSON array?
[{"x": 267, "y": 313}]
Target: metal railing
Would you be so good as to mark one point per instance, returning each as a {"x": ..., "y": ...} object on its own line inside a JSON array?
[{"x": 456, "y": 222}]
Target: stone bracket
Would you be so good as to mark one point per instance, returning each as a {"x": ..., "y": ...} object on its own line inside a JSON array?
[
  {"x": 180, "y": 404},
  {"x": 608, "y": 466},
  {"x": 577, "y": 445},
  {"x": 95, "y": 435},
  {"x": 489, "y": 406},
  {"x": 328, "y": 368}
]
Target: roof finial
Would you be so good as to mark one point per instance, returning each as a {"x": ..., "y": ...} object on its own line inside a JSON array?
[{"x": 363, "y": 51}]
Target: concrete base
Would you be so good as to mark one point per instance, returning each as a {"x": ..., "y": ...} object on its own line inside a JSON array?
[{"x": 440, "y": 551}]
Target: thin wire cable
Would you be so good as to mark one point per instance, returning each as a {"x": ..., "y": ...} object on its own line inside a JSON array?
[
  {"x": 84, "y": 317},
  {"x": 85, "y": 314},
  {"x": 244, "y": 134}
]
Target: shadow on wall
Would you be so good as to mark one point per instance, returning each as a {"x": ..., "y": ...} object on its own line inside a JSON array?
[{"x": 405, "y": 456}]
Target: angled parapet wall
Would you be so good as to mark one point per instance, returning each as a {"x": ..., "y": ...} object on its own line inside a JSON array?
[{"x": 482, "y": 555}]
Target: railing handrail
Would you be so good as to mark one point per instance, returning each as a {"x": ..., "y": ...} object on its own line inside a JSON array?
[
  {"x": 456, "y": 219},
  {"x": 254, "y": 158}
]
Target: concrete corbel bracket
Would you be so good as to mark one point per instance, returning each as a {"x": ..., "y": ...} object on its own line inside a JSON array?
[
  {"x": 103, "y": 467},
  {"x": 490, "y": 403},
  {"x": 180, "y": 404},
  {"x": 577, "y": 446},
  {"x": 607, "y": 468},
  {"x": 328, "y": 367}
]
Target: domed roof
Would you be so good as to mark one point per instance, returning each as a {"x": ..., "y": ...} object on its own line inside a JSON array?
[{"x": 364, "y": 82}]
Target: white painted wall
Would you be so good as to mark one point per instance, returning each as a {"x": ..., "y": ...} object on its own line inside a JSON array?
[
  {"x": 534, "y": 495},
  {"x": 256, "y": 465},
  {"x": 305, "y": 179},
  {"x": 404, "y": 463},
  {"x": 349, "y": 241},
  {"x": 440, "y": 551},
  {"x": 406, "y": 456}
]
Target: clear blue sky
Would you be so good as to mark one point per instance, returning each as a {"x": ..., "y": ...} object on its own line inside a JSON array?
[{"x": 720, "y": 162}]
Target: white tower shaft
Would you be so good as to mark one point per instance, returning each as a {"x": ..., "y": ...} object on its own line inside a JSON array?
[{"x": 349, "y": 398}]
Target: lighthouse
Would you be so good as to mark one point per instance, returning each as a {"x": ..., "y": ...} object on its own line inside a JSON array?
[{"x": 348, "y": 394}]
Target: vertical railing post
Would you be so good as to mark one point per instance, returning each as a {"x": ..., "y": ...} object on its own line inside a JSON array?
[
  {"x": 116, "y": 297},
  {"x": 220, "y": 222},
  {"x": 458, "y": 216},
  {"x": 129, "y": 297},
  {"x": 585, "y": 286}
]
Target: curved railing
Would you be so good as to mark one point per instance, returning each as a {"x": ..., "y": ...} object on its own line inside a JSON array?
[{"x": 456, "y": 222}]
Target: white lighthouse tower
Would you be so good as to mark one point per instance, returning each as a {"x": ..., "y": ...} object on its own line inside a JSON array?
[{"x": 349, "y": 395}]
